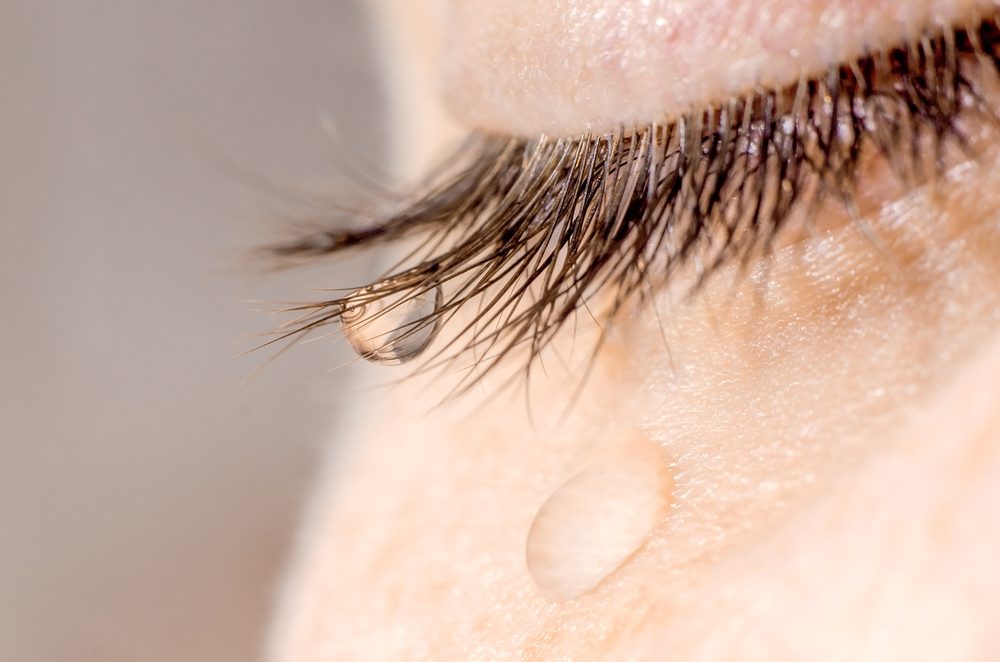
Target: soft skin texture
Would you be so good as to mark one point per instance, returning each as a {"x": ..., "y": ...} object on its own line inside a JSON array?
[
  {"x": 831, "y": 425},
  {"x": 565, "y": 66}
]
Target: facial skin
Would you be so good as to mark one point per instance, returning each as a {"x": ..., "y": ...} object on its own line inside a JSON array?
[{"x": 831, "y": 423}]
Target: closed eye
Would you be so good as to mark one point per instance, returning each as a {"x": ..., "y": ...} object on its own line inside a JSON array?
[{"x": 516, "y": 237}]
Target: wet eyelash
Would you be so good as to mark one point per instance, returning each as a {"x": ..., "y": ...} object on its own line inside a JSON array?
[{"x": 527, "y": 233}]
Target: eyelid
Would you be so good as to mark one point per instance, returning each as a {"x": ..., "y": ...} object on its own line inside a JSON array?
[
  {"x": 525, "y": 67},
  {"x": 537, "y": 231}
]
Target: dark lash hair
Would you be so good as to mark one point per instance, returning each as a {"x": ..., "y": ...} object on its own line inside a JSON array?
[{"x": 535, "y": 230}]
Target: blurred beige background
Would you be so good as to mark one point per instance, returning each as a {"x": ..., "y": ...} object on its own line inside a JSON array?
[{"x": 147, "y": 501}]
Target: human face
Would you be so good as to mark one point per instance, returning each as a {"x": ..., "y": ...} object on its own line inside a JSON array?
[{"x": 824, "y": 426}]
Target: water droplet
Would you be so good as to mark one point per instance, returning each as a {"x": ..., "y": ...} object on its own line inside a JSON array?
[
  {"x": 597, "y": 520},
  {"x": 391, "y": 329}
]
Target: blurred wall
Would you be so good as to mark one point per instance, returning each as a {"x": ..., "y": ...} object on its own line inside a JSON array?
[{"x": 146, "y": 499}]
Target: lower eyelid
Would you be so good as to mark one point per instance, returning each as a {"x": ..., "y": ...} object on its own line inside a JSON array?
[{"x": 818, "y": 359}]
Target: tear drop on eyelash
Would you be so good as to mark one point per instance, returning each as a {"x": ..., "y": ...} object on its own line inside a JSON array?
[
  {"x": 597, "y": 520},
  {"x": 394, "y": 329}
]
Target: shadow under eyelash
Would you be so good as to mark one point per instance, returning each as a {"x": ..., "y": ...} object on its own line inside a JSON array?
[{"x": 536, "y": 230}]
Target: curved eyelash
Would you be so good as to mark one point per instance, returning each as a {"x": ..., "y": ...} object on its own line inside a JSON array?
[{"x": 533, "y": 231}]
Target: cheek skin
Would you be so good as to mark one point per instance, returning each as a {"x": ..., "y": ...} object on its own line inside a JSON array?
[{"x": 527, "y": 67}]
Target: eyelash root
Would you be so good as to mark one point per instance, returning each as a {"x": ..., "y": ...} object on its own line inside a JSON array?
[{"x": 525, "y": 234}]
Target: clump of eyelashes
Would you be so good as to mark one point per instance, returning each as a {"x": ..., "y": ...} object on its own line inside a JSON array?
[{"x": 528, "y": 234}]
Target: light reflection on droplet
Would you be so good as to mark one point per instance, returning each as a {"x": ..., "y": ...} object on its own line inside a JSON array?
[{"x": 393, "y": 329}]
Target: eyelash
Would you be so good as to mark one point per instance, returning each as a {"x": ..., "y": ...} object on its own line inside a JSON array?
[{"x": 535, "y": 230}]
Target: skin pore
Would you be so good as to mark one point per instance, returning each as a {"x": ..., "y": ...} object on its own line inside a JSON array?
[{"x": 830, "y": 421}]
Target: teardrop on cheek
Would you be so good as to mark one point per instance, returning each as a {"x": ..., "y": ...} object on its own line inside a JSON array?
[{"x": 597, "y": 520}]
